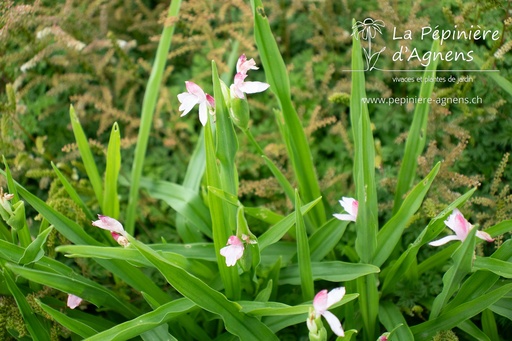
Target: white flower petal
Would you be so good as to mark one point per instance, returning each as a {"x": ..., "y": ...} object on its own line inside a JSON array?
[
  {"x": 109, "y": 224},
  {"x": 232, "y": 253},
  {"x": 203, "y": 113},
  {"x": 73, "y": 301},
  {"x": 253, "y": 87},
  {"x": 188, "y": 101},
  {"x": 320, "y": 302},
  {"x": 458, "y": 224},
  {"x": 335, "y": 295},
  {"x": 195, "y": 90},
  {"x": 443, "y": 240},
  {"x": 345, "y": 217},
  {"x": 484, "y": 235},
  {"x": 334, "y": 323}
]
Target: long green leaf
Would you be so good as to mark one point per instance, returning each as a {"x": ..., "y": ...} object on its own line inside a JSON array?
[
  {"x": 193, "y": 266},
  {"x": 504, "y": 83},
  {"x": 185, "y": 201},
  {"x": 469, "y": 327},
  {"x": 145, "y": 322},
  {"x": 462, "y": 260},
  {"x": 195, "y": 171},
  {"x": 35, "y": 326},
  {"x": 391, "y": 317},
  {"x": 450, "y": 319},
  {"x": 148, "y": 109},
  {"x": 390, "y": 234},
  {"x": 35, "y": 251},
  {"x": 110, "y": 199},
  {"x": 86, "y": 289},
  {"x": 277, "y": 231},
  {"x": 303, "y": 256},
  {"x": 481, "y": 281},
  {"x": 276, "y": 308},
  {"x": 237, "y": 323},
  {"x": 366, "y": 192},
  {"x": 404, "y": 265},
  {"x": 78, "y": 327},
  {"x": 417, "y": 133},
  {"x": 499, "y": 267},
  {"x": 332, "y": 271},
  {"x": 85, "y": 153},
  {"x": 323, "y": 240},
  {"x": 76, "y": 234},
  {"x": 23, "y": 234},
  {"x": 72, "y": 192},
  {"x": 277, "y": 77},
  {"x": 364, "y": 159},
  {"x": 223, "y": 215}
]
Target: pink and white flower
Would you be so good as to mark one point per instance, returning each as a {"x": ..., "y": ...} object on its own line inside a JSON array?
[
  {"x": 240, "y": 86},
  {"x": 234, "y": 251},
  {"x": 321, "y": 303},
  {"x": 73, "y": 301},
  {"x": 243, "y": 65},
  {"x": 196, "y": 95},
  {"x": 458, "y": 224},
  {"x": 115, "y": 227},
  {"x": 350, "y": 205},
  {"x": 109, "y": 224}
]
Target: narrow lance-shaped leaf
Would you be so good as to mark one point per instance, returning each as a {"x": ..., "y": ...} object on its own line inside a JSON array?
[
  {"x": 35, "y": 326},
  {"x": 111, "y": 200},
  {"x": 22, "y": 233},
  {"x": 77, "y": 235},
  {"x": 78, "y": 327},
  {"x": 148, "y": 109},
  {"x": 366, "y": 193},
  {"x": 417, "y": 134},
  {"x": 404, "y": 265},
  {"x": 448, "y": 320},
  {"x": 303, "y": 255},
  {"x": 389, "y": 235},
  {"x": 364, "y": 159},
  {"x": 462, "y": 260},
  {"x": 72, "y": 192},
  {"x": 277, "y": 77},
  {"x": 86, "y": 155},
  {"x": 223, "y": 224},
  {"x": 237, "y": 323}
]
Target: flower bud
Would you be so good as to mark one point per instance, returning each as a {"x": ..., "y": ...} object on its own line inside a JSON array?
[{"x": 240, "y": 112}]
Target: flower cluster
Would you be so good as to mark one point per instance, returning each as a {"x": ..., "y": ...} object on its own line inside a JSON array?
[
  {"x": 196, "y": 95},
  {"x": 458, "y": 224}
]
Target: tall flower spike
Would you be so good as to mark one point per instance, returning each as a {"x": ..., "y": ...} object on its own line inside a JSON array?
[
  {"x": 73, "y": 301},
  {"x": 350, "y": 205},
  {"x": 234, "y": 251},
  {"x": 196, "y": 95},
  {"x": 322, "y": 301},
  {"x": 458, "y": 224}
]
